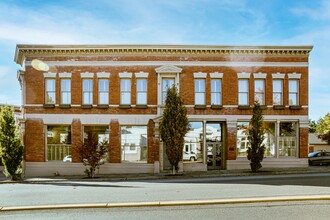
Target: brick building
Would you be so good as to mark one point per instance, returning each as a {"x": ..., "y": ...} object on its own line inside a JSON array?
[{"x": 118, "y": 91}]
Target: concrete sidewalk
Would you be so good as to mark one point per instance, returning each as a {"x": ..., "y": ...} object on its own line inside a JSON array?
[{"x": 167, "y": 175}]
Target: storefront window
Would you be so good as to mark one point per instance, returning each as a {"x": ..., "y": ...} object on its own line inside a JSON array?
[
  {"x": 242, "y": 138},
  {"x": 288, "y": 139},
  {"x": 134, "y": 144},
  {"x": 269, "y": 141},
  {"x": 102, "y": 135},
  {"x": 193, "y": 146},
  {"x": 59, "y": 143}
]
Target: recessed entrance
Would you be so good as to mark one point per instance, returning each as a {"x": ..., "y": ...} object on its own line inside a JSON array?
[{"x": 214, "y": 146}]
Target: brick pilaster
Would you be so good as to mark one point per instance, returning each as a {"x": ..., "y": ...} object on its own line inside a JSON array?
[
  {"x": 34, "y": 149},
  {"x": 303, "y": 142},
  {"x": 115, "y": 139},
  {"x": 231, "y": 142}
]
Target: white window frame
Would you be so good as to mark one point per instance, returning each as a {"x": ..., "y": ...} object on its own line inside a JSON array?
[
  {"x": 164, "y": 90},
  {"x": 47, "y": 91},
  {"x": 141, "y": 92},
  {"x": 246, "y": 93},
  {"x": 88, "y": 91},
  {"x": 200, "y": 90},
  {"x": 65, "y": 92},
  {"x": 126, "y": 90},
  {"x": 104, "y": 92},
  {"x": 216, "y": 92},
  {"x": 258, "y": 92},
  {"x": 295, "y": 93},
  {"x": 278, "y": 93}
]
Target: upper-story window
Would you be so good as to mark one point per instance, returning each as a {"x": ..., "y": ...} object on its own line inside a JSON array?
[
  {"x": 259, "y": 91},
  {"x": 216, "y": 92},
  {"x": 199, "y": 92},
  {"x": 125, "y": 91},
  {"x": 103, "y": 91},
  {"x": 141, "y": 91},
  {"x": 66, "y": 91},
  {"x": 243, "y": 92},
  {"x": 87, "y": 91},
  {"x": 50, "y": 91},
  {"x": 167, "y": 83},
  {"x": 293, "y": 92},
  {"x": 277, "y": 92}
]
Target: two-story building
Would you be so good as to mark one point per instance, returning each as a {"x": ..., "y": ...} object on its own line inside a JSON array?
[{"x": 118, "y": 91}]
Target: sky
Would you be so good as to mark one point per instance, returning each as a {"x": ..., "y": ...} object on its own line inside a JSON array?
[{"x": 201, "y": 22}]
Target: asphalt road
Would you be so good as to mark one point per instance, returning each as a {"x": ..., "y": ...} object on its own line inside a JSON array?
[
  {"x": 49, "y": 193},
  {"x": 280, "y": 210}
]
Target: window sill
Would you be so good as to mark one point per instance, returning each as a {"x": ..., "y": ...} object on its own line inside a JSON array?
[
  {"x": 295, "y": 107},
  {"x": 125, "y": 106},
  {"x": 244, "y": 107},
  {"x": 141, "y": 106},
  {"x": 200, "y": 106},
  {"x": 86, "y": 106},
  {"x": 49, "y": 105},
  {"x": 102, "y": 106},
  {"x": 263, "y": 107},
  {"x": 216, "y": 106},
  {"x": 278, "y": 107},
  {"x": 65, "y": 105}
]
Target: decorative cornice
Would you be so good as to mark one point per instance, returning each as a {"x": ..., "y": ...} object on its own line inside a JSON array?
[
  {"x": 103, "y": 75},
  {"x": 243, "y": 75},
  {"x": 278, "y": 75},
  {"x": 23, "y": 51},
  {"x": 49, "y": 75},
  {"x": 260, "y": 75},
  {"x": 87, "y": 75},
  {"x": 168, "y": 69},
  {"x": 199, "y": 75},
  {"x": 216, "y": 75},
  {"x": 65, "y": 75},
  {"x": 294, "y": 75},
  {"x": 141, "y": 74},
  {"x": 125, "y": 75}
]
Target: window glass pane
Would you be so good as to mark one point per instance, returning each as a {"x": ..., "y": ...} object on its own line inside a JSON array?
[
  {"x": 59, "y": 143},
  {"x": 242, "y": 140},
  {"x": 293, "y": 99},
  {"x": 193, "y": 146},
  {"x": 87, "y": 85},
  {"x": 141, "y": 85},
  {"x": 142, "y": 98},
  {"x": 215, "y": 99},
  {"x": 293, "y": 85},
  {"x": 50, "y": 85},
  {"x": 259, "y": 97},
  {"x": 126, "y": 98},
  {"x": 166, "y": 84},
  {"x": 103, "y": 85},
  {"x": 277, "y": 98},
  {"x": 125, "y": 85},
  {"x": 102, "y": 134},
  {"x": 66, "y": 85},
  {"x": 243, "y": 99},
  {"x": 269, "y": 141},
  {"x": 215, "y": 85},
  {"x": 287, "y": 139},
  {"x": 243, "y": 85},
  {"x": 134, "y": 144},
  {"x": 87, "y": 98},
  {"x": 199, "y": 85},
  {"x": 199, "y": 98},
  {"x": 277, "y": 86},
  {"x": 259, "y": 86},
  {"x": 65, "y": 91},
  {"x": 103, "y": 98}
]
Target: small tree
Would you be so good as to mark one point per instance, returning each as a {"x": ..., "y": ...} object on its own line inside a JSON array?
[
  {"x": 312, "y": 126},
  {"x": 92, "y": 152},
  {"x": 173, "y": 127},
  {"x": 323, "y": 128},
  {"x": 256, "y": 136},
  {"x": 11, "y": 148}
]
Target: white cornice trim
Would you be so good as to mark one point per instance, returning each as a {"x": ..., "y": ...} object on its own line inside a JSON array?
[
  {"x": 294, "y": 75},
  {"x": 199, "y": 75},
  {"x": 65, "y": 75},
  {"x": 243, "y": 75},
  {"x": 259, "y": 75},
  {"x": 141, "y": 74},
  {"x": 278, "y": 75},
  {"x": 87, "y": 75},
  {"x": 49, "y": 75},
  {"x": 125, "y": 75},
  {"x": 216, "y": 75},
  {"x": 103, "y": 75}
]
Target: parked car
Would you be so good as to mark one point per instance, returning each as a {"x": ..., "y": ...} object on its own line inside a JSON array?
[
  {"x": 189, "y": 156},
  {"x": 319, "y": 158},
  {"x": 67, "y": 158}
]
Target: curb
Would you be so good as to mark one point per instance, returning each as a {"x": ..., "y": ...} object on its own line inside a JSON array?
[{"x": 166, "y": 203}]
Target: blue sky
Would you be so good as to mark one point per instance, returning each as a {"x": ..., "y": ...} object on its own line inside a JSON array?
[{"x": 210, "y": 22}]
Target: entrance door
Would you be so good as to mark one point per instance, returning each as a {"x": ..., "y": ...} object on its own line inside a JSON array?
[{"x": 214, "y": 155}]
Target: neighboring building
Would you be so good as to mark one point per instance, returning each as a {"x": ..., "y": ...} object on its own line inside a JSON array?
[
  {"x": 119, "y": 92},
  {"x": 317, "y": 144}
]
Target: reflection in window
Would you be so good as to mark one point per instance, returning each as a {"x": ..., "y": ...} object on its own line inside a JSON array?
[
  {"x": 259, "y": 91},
  {"x": 287, "y": 139},
  {"x": 243, "y": 92},
  {"x": 167, "y": 83},
  {"x": 193, "y": 146},
  {"x": 278, "y": 92},
  {"x": 269, "y": 141},
  {"x": 134, "y": 144},
  {"x": 59, "y": 143},
  {"x": 293, "y": 92},
  {"x": 50, "y": 91},
  {"x": 242, "y": 138}
]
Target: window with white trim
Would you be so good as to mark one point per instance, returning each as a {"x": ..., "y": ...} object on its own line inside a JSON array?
[
  {"x": 166, "y": 83},
  {"x": 66, "y": 91},
  {"x": 87, "y": 91},
  {"x": 50, "y": 91},
  {"x": 243, "y": 92},
  {"x": 125, "y": 91},
  {"x": 259, "y": 91},
  {"x": 141, "y": 91},
  {"x": 216, "y": 92},
  {"x": 199, "y": 92},
  {"x": 277, "y": 92},
  {"x": 103, "y": 91},
  {"x": 293, "y": 92}
]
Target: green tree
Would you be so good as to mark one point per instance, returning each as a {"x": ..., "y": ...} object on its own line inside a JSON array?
[
  {"x": 92, "y": 152},
  {"x": 312, "y": 126},
  {"x": 11, "y": 147},
  {"x": 256, "y": 136},
  {"x": 323, "y": 128},
  {"x": 173, "y": 127}
]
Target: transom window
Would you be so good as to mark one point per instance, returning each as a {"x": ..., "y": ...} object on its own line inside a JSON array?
[
  {"x": 103, "y": 91},
  {"x": 87, "y": 91},
  {"x": 166, "y": 83},
  {"x": 259, "y": 91},
  {"x": 50, "y": 91},
  {"x": 216, "y": 92},
  {"x": 125, "y": 91},
  {"x": 199, "y": 92},
  {"x": 277, "y": 92},
  {"x": 293, "y": 92},
  {"x": 66, "y": 91},
  {"x": 141, "y": 91},
  {"x": 243, "y": 92}
]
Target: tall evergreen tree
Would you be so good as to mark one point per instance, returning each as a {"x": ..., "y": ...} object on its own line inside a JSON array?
[
  {"x": 11, "y": 148},
  {"x": 323, "y": 128},
  {"x": 173, "y": 127},
  {"x": 256, "y": 136}
]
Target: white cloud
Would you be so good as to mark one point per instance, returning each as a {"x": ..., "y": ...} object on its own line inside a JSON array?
[{"x": 322, "y": 12}]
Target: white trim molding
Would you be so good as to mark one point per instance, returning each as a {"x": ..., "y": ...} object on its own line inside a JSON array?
[
  {"x": 260, "y": 75},
  {"x": 168, "y": 69},
  {"x": 243, "y": 75},
  {"x": 103, "y": 75},
  {"x": 141, "y": 74},
  {"x": 294, "y": 75},
  {"x": 87, "y": 75},
  {"x": 278, "y": 75},
  {"x": 125, "y": 75},
  {"x": 199, "y": 75},
  {"x": 65, "y": 75},
  {"x": 216, "y": 75},
  {"x": 49, "y": 75}
]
